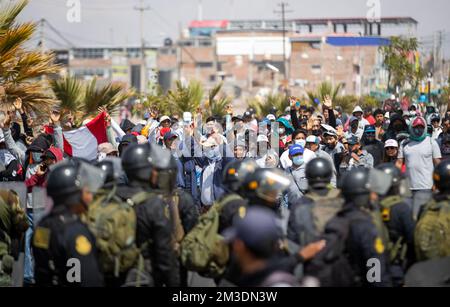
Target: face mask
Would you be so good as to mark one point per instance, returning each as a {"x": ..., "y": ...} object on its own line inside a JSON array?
[
  {"x": 36, "y": 157},
  {"x": 316, "y": 132},
  {"x": 213, "y": 154},
  {"x": 298, "y": 160},
  {"x": 281, "y": 131},
  {"x": 301, "y": 143},
  {"x": 398, "y": 127},
  {"x": 418, "y": 131},
  {"x": 408, "y": 122}
]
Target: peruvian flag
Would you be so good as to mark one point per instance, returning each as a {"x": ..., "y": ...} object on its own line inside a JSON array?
[{"x": 83, "y": 142}]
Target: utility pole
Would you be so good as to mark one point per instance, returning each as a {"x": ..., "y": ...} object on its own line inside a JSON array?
[
  {"x": 42, "y": 35},
  {"x": 283, "y": 12},
  {"x": 142, "y": 10}
]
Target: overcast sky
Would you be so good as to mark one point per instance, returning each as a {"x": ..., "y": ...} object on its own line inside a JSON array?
[{"x": 115, "y": 22}]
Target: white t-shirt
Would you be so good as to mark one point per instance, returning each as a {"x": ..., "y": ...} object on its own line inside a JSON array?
[{"x": 419, "y": 162}]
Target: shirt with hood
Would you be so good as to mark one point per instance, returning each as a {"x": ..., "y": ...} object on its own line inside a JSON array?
[
  {"x": 35, "y": 179},
  {"x": 391, "y": 133},
  {"x": 418, "y": 153}
]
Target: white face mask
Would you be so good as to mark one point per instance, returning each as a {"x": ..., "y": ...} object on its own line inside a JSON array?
[
  {"x": 301, "y": 143},
  {"x": 281, "y": 130}
]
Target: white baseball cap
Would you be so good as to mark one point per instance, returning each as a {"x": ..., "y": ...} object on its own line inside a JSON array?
[
  {"x": 312, "y": 139},
  {"x": 163, "y": 118},
  {"x": 391, "y": 143},
  {"x": 271, "y": 117}
]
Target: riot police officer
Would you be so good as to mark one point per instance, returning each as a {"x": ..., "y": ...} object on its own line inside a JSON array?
[
  {"x": 310, "y": 214},
  {"x": 154, "y": 226},
  {"x": 183, "y": 211},
  {"x": 233, "y": 201},
  {"x": 364, "y": 240},
  {"x": 398, "y": 217},
  {"x": 64, "y": 249},
  {"x": 263, "y": 188}
]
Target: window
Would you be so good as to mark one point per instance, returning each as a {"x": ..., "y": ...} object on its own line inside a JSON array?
[
  {"x": 204, "y": 64},
  {"x": 88, "y": 53}
]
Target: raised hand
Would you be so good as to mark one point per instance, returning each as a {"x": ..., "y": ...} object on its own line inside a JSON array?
[
  {"x": 18, "y": 104},
  {"x": 54, "y": 117},
  {"x": 328, "y": 103}
]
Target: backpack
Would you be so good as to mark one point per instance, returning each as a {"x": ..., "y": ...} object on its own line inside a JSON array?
[
  {"x": 203, "y": 249},
  {"x": 113, "y": 223},
  {"x": 397, "y": 250},
  {"x": 432, "y": 234},
  {"x": 325, "y": 207}
]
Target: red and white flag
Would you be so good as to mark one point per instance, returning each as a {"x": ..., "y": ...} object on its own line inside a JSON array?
[{"x": 83, "y": 142}]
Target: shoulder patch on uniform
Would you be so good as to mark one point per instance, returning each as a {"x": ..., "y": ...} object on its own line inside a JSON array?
[
  {"x": 41, "y": 237},
  {"x": 166, "y": 212},
  {"x": 379, "y": 246},
  {"x": 242, "y": 211},
  {"x": 82, "y": 245}
]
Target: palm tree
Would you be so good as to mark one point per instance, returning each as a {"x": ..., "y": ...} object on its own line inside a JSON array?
[
  {"x": 277, "y": 102},
  {"x": 82, "y": 99},
  {"x": 217, "y": 107},
  {"x": 21, "y": 70},
  {"x": 108, "y": 96},
  {"x": 185, "y": 98},
  {"x": 69, "y": 91},
  {"x": 325, "y": 89}
]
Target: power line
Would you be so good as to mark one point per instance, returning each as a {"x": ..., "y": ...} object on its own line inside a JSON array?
[
  {"x": 283, "y": 12},
  {"x": 58, "y": 33}
]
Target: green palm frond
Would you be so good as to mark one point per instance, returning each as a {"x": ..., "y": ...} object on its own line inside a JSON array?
[
  {"x": 69, "y": 91},
  {"x": 325, "y": 89},
  {"x": 185, "y": 98},
  {"x": 278, "y": 101},
  {"x": 108, "y": 96},
  {"x": 22, "y": 70},
  {"x": 9, "y": 13},
  {"x": 216, "y": 106}
]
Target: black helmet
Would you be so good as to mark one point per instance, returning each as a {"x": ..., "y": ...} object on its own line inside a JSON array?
[
  {"x": 137, "y": 163},
  {"x": 319, "y": 172},
  {"x": 236, "y": 171},
  {"x": 391, "y": 169},
  {"x": 264, "y": 185},
  {"x": 63, "y": 184},
  {"x": 355, "y": 182},
  {"x": 441, "y": 176},
  {"x": 108, "y": 168}
]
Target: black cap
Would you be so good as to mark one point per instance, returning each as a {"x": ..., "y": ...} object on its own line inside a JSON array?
[
  {"x": 258, "y": 230},
  {"x": 353, "y": 140}
]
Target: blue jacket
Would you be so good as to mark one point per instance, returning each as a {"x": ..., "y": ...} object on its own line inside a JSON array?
[{"x": 218, "y": 188}]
